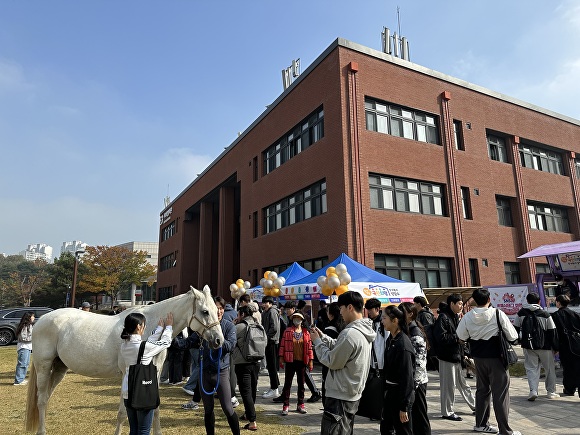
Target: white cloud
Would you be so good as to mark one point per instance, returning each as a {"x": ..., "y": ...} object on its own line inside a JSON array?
[{"x": 12, "y": 77}]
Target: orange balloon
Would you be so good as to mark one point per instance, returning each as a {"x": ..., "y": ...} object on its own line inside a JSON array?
[
  {"x": 330, "y": 270},
  {"x": 327, "y": 291},
  {"x": 328, "y": 275},
  {"x": 341, "y": 289},
  {"x": 266, "y": 274},
  {"x": 275, "y": 292},
  {"x": 266, "y": 291}
]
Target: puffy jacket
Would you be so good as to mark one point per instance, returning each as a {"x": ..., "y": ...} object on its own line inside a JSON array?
[
  {"x": 271, "y": 323},
  {"x": 448, "y": 347},
  {"x": 287, "y": 345},
  {"x": 544, "y": 320}
]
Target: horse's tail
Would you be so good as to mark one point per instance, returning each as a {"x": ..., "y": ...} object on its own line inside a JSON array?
[{"x": 31, "y": 422}]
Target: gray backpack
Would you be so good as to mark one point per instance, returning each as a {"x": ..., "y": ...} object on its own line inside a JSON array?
[{"x": 254, "y": 346}]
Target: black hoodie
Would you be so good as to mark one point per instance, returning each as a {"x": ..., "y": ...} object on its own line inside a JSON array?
[{"x": 448, "y": 347}]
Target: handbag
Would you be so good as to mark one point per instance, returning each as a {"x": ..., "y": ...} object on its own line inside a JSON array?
[
  {"x": 507, "y": 355},
  {"x": 371, "y": 401},
  {"x": 573, "y": 340},
  {"x": 143, "y": 384}
]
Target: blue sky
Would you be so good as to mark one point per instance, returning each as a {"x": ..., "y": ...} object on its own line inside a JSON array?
[{"x": 107, "y": 107}]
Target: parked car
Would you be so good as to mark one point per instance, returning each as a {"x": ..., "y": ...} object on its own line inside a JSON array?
[{"x": 10, "y": 318}]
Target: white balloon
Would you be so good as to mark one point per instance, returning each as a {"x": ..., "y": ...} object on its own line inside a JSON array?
[
  {"x": 247, "y": 285},
  {"x": 233, "y": 287},
  {"x": 278, "y": 283},
  {"x": 333, "y": 282},
  {"x": 283, "y": 279},
  {"x": 340, "y": 269},
  {"x": 321, "y": 281},
  {"x": 272, "y": 276},
  {"x": 241, "y": 291},
  {"x": 345, "y": 279},
  {"x": 267, "y": 283},
  {"x": 262, "y": 281}
]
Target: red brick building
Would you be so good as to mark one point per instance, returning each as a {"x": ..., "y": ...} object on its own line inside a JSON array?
[{"x": 412, "y": 172}]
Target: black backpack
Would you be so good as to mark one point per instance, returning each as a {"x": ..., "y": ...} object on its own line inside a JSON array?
[{"x": 533, "y": 336}]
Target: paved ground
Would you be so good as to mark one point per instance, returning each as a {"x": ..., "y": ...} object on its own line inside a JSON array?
[{"x": 542, "y": 417}]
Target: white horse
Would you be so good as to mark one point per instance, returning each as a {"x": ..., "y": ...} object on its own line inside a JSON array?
[{"x": 89, "y": 344}]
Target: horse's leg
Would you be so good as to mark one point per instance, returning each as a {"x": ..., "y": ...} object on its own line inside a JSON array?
[
  {"x": 58, "y": 372},
  {"x": 121, "y": 416},
  {"x": 43, "y": 374},
  {"x": 156, "y": 422}
]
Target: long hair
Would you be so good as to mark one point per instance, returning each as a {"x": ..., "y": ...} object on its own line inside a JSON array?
[
  {"x": 395, "y": 313},
  {"x": 131, "y": 322},
  {"x": 337, "y": 320},
  {"x": 411, "y": 308},
  {"x": 25, "y": 321}
]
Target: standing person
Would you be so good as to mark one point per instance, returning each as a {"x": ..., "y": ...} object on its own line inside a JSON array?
[
  {"x": 427, "y": 320},
  {"x": 192, "y": 385},
  {"x": 296, "y": 354},
  {"x": 567, "y": 319},
  {"x": 538, "y": 345},
  {"x": 132, "y": 335},
  {"x": 398, "y": 373},
  {"x": 334, "y": 326},
  {"x": 373, "y": 307},
  {"x": 211, "y": 361},
  {"x": 231, "y": 315},
  {"x": 419, "y": 416},
  {"x": 322, "y": 318},
  {"x": 271, "y": 323},
  {"x": 348, "y": 358},
  {"x": 246, "y": 371},
  {"x": 450, "y": 355},
  {"x": 479, "y": 326},
  {"x": 86, "y": 306},
  {"x": 24, "y": 347},
  {"x": 245, "y": 299}
]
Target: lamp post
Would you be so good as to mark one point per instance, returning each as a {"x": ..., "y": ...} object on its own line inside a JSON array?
[{"x": 74, "y": 283}]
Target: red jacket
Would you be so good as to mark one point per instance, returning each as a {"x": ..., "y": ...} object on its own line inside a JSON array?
[{"x": 287, "y": 345}]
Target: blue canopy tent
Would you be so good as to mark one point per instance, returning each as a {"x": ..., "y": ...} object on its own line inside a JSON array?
[
  {"x": 368, "y": 282},
  {"x": 294, "y": 273}
]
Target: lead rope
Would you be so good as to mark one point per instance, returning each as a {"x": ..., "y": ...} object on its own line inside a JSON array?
[{"x": 219, "y": 358}]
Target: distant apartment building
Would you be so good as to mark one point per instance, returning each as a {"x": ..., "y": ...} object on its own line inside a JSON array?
[
  {"x": 144, "y": 292},
  {"x": 72, "y": 247},
  {"x": 37, "y": 251}
]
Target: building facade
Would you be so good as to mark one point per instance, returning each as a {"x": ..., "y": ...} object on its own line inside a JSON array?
[
  {"x": 409, "y": 171},
  {"x": 38, "y": 251},
  {"x": 73, "y": 247}
]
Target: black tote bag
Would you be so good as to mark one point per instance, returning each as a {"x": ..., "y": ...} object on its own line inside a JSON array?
[
  {"x": 143, "y": 384},
  {"x": 508, "y": 355},
  {"x": 371, "y": 401}
]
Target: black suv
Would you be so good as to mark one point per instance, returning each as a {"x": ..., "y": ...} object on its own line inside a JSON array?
[{"x": 10, "y": 318}]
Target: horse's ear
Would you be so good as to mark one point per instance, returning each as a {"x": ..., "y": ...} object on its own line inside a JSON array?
[
  {"x": 196, "y": 292},
  {"x": 206, "y": 289}
]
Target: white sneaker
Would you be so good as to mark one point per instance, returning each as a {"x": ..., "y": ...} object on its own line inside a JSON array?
[
  {"x": 164, "y": 382},
  {"x": 486, "y": 429},
  {"x": 270, "y": 393},
  {"x": 188, "y": 391},
  {"x": 533, "y": 395},
  {"x": 24, "y": 382},
  {"x": 552, "y": 395},
  {"x": 190, "y": 405},
  {"x": 235, "y": 402}
]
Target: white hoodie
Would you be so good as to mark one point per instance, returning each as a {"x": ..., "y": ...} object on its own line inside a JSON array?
[{"x": 480, "y": 324}]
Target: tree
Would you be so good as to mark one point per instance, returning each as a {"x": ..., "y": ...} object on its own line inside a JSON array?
[
  {"x": 29, "y": 278},
  {"x": 108, "y": 269}
]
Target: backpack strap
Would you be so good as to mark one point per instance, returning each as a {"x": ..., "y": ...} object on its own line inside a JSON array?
[{"x": 141, "y": 351}]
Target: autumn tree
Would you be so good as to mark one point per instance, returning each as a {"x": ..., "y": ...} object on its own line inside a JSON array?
[
  {"x": 23, "y": 280},
  {"x": 111, "y": 268}
]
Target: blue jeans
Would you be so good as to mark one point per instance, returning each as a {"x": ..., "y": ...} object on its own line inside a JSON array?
[
  {"x": 139, "y": 421},
  {"x": 194, "y": 372},
  {"x": 22, "y": 365}
]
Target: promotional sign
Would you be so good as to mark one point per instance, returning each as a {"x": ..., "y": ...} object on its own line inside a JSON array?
[
  {"x": 509, "y": 298},
  {"x": 570, "y": 261}
]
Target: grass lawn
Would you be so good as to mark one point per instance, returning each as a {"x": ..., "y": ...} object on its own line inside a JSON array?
[{"x": 82, "y": 405}]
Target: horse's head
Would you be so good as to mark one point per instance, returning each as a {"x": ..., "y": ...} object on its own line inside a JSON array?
[{"x": 205, "y": 318}]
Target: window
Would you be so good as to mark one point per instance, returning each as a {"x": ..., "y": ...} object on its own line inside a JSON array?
[
  {"x": 458, "y": 135},
  {"x": 169, "y": 231},
  {"x": 466, "y": 203},
  {"x": 504, "y": 211},
  {"x": 167, "y": 262},
  {"x": 400, "y": 121},
  {"x": 545, "y": 217},
  {"x": 473, "y": 272},
  {"x": 543, "y": 268},
  {"x": 311, "y": 265},
  {"x": 512, "y": 273},
  {"x": 255, "y": 168},
  {"x": 430, "y": 272},
  {"x": 400, "y": 194},
  {"x": 255, "y": 219},
  {"x": 165, "y": 293},
  {"x": 306, "y": 133},
  {"x": 577, "y": 165},
  {"x": 295, "y": 208},
  {"x": 540, "y": 159},
  {"x": 496, "y": 148}
]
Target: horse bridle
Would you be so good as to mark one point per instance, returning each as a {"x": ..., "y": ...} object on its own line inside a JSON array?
[{"x": 205, "y": 327}]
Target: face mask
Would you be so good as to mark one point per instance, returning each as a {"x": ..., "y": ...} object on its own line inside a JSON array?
[{"x": 297, "y": 322}]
